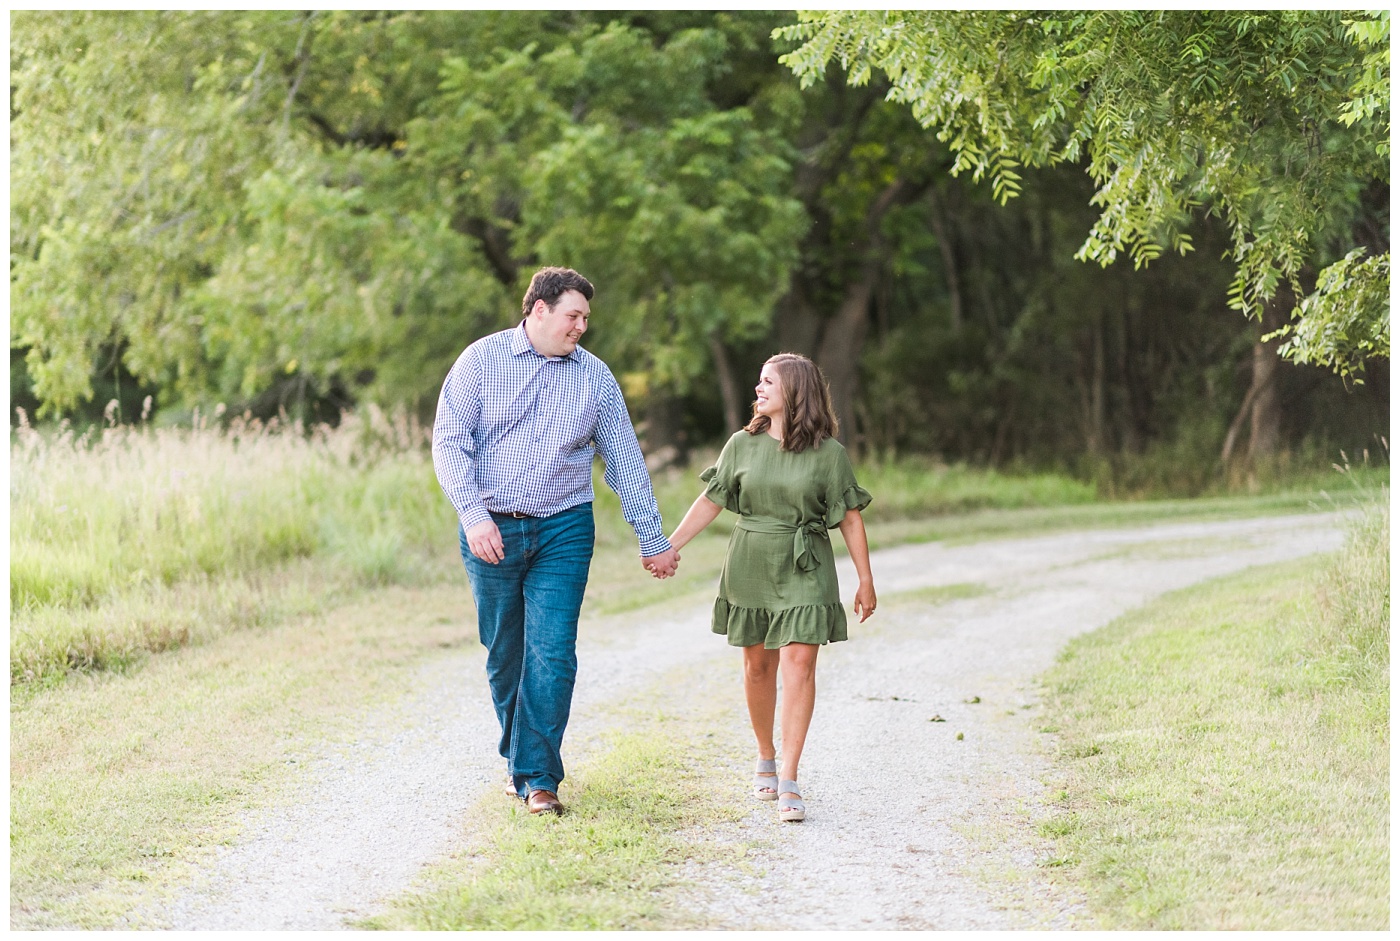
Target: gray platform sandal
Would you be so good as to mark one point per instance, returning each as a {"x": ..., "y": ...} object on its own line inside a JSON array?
[
  {"x": 791, "y": 809},
  {"x": 765, "y": 779}
]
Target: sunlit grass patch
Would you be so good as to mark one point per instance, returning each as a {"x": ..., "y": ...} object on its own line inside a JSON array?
[
  {"x": 48, "y": 643},
  {"x": 938, "y": 594},
  {"x": 913, "y": 488},
  {"x": 602, "y": 866},
  {"x": 120, "y": 781},
  {"x": 1030, "y": 521},
  {"x": 636, "y": 808},
  {"x": 1225, "y": 763},
  {"x": 1354, "y": 596},
  {"x": 137, "y": 539},
  {"x": 93, "y": 515}
]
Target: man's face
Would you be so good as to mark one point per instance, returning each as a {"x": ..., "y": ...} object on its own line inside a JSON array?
[{"x": 556, "y": 331}]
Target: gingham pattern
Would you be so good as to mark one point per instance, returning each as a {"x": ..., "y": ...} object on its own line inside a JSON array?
[{"x": 516, "y": 432}]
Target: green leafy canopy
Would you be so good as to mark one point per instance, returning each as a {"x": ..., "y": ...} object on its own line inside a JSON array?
[
  {"x": 1275, "y": 121},
  {"x": 249, "y": 204}
]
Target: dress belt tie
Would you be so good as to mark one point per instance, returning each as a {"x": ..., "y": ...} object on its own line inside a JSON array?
[{"x": 802, "y": 554}]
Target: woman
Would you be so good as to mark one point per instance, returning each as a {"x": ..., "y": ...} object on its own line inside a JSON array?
[{"x": 790, "y": 481}]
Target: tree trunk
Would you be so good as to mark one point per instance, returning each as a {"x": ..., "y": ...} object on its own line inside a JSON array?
[
  {"x": 1261, "y": 406},
  {"x": 798, "y": 324},
  {"x": 950, "y": 265},
  {"x": 1227, "y": 450},
  {"x": 1266, "y": 412},
  {"x": 842, "y": 341},
  {"x": 1137, "y": 409},
  {"x": 839, "y": 353},
  {"x": 1091, "y": 393},
  {"x": 728, "y": 385},
  {"x": 663, "y": 440}
]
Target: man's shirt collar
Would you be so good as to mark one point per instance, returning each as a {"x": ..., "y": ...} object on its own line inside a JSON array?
[{"x": 520, "y": 343}]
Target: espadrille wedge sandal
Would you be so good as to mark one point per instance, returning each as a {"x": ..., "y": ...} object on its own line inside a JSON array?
[
  {"x": 765, "y": 779},
  {"x": 790, "y": 806}
]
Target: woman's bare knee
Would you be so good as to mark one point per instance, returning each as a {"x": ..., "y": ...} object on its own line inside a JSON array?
[
  {"x": 760, "y": 664},
  {"x": 799, "y": 661}
]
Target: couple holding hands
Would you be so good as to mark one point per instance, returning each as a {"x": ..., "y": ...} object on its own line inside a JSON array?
[{"x": 521, "y": 415}]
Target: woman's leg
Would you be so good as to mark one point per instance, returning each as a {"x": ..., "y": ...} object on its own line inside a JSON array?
[
  {"x": 799, "y": 666},
  {"x": 761, "y": 693}
]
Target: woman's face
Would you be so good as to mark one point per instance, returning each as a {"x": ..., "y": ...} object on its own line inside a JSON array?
[{"x": 770, "y": 392}]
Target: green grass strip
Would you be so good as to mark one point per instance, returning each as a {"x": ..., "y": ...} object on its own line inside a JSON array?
[
  {"x": 640, "y": 807},
  {"x": 938, "y": 594},
  {"x": 1224, "y": 755}
]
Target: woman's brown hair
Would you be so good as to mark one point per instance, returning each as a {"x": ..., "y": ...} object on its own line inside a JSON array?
[{"x": 808, "y": 418}]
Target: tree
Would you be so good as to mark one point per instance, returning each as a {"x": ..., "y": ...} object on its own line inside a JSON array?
[
  {"x": 286, "y": 206},
  {"x": 608, "y": 154},
  {"x": 1276, "y": 122},
  {"x": 309, "y": 210},
  {"x": 865, "y": 164},
  {"x": 189, "y": 191}
]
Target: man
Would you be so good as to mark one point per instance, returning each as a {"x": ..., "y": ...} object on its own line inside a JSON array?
[{"x": 519, "y": 419}]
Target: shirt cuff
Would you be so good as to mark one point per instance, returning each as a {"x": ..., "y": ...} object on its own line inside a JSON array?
[
  {"x": 473, "y": 515},
  {"x": 655, "y": 546}
]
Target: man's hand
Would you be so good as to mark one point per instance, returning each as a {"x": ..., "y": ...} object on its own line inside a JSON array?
[
  {"x": 662, "y": 565},
  {"x": 484, "y": 540}
]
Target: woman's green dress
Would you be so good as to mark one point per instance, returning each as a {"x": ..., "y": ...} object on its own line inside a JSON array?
[{"x": 779, "y": 580}]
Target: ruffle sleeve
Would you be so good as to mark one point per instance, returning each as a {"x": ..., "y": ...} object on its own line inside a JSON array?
[
  {"x": 721, "y": 487},
  {"x": 843, "y": 493}
]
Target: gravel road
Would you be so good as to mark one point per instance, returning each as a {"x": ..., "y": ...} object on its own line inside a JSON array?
[{"x": 907, "y": 827}]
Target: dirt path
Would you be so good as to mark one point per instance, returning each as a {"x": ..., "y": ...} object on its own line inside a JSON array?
[{"x": 907, "y": 826}]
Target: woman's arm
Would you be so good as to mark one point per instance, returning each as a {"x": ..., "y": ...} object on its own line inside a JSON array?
[
  {"x": 701, "y": 514},
  {"x": 853, "y": 531}
]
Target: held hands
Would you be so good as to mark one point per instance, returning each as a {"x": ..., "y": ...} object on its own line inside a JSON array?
[
  {"x": 701, "y": 513},
  {"x": 484, "y": 540},
  {"x": 662, "y": 565},
  {"x": 865, "y": 600}
]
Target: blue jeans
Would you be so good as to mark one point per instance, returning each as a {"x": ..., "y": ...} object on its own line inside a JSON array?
[{"x": 527, "y": 608}]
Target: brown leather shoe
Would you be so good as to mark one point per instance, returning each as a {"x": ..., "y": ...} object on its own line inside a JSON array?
[{"x": 544, "y": 802}]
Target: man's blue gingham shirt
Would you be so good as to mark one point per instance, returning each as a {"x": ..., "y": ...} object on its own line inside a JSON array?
[{"x": 516, "y": 432}]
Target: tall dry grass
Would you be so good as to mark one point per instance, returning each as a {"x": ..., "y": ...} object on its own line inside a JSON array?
[
  {"x": 131, "y": 537},
  {"x": 1354, "y": 598}
]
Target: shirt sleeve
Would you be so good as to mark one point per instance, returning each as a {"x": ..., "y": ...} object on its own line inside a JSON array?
[
  {"x": 625, "y": 470},
  {"x": 454, "y": 444}
]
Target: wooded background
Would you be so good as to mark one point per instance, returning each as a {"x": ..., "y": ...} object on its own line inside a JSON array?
[{"x": 308, "y": 211}]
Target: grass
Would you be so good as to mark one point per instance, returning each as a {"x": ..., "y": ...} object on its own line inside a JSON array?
[
  {"x": 993, "y": 524},
  {"x": 1224, "y": 752},
  {"x": 938, "y": 594},
  {"x": 586, "y": 871},
  {"x": 919, "y": 488},
  {"x": 121, "y": 781},
  {"x": 125, "y": 506},
  {"x": 133, "y": 540},
  {"x": 126, "y": 767},
  {"x": 47, "y": 644},
  {"x": 637, "y": 813}
]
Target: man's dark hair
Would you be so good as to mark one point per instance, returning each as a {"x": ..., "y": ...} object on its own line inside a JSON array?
[{"x": 549, "y": 283}]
